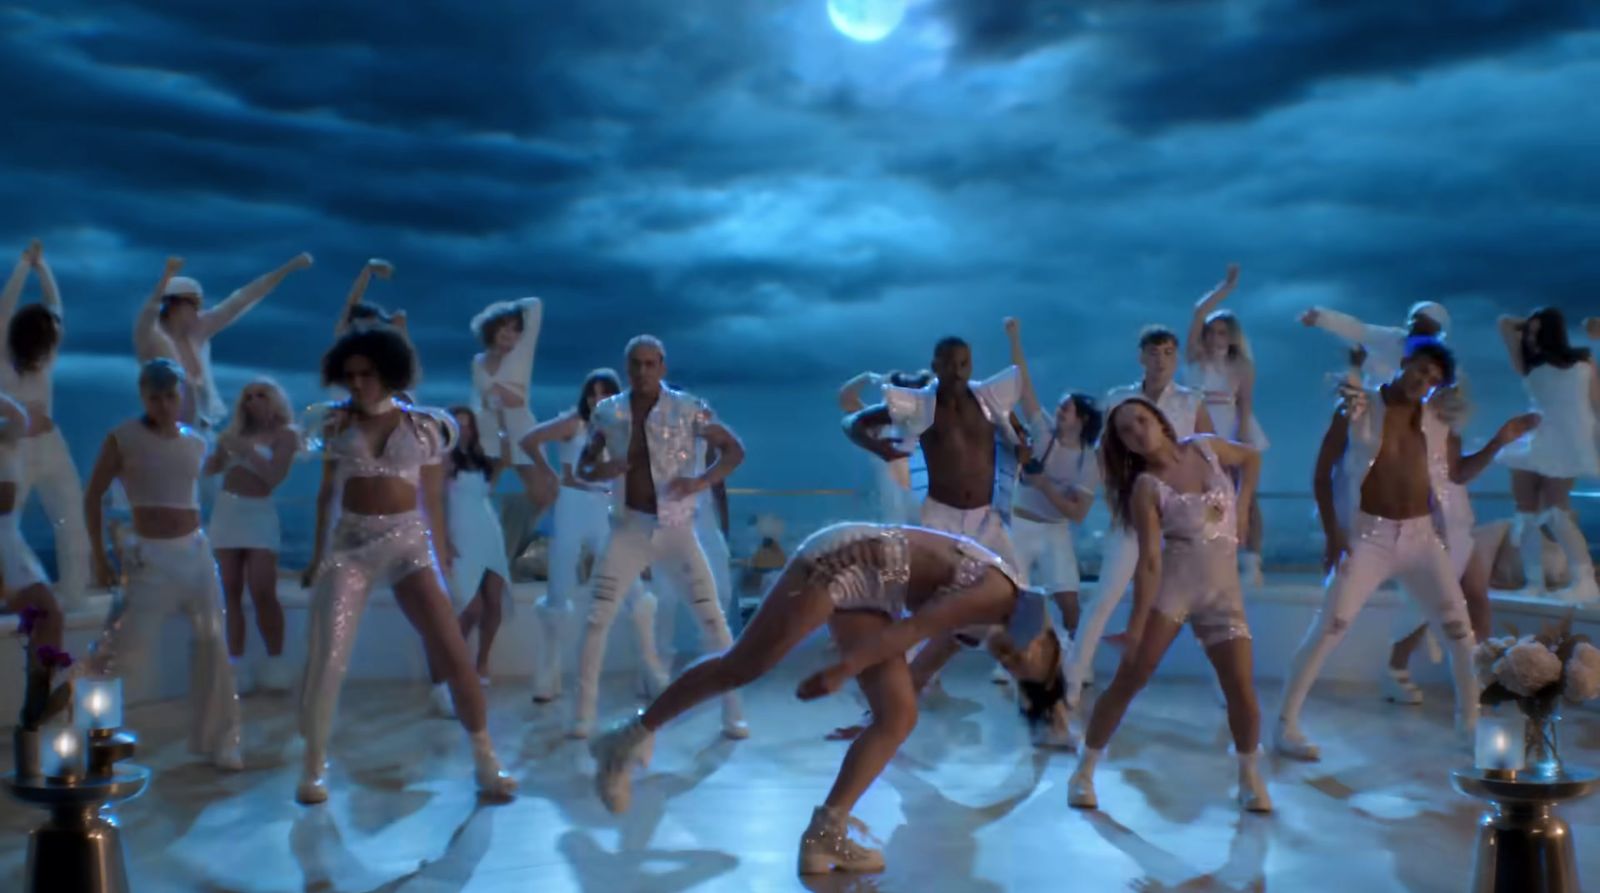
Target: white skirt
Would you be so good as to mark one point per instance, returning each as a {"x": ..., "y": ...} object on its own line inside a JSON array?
[
  {"x": 1558, "y": 448},
  {"x": 18, "y": 564},
  {"x": 519, "y": 421},
  {"x": 244, "y": 522},
  {"x": 480, "y": 549}
]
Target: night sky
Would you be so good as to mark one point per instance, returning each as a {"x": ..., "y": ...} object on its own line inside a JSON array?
[{"x": 785, "y": 206}]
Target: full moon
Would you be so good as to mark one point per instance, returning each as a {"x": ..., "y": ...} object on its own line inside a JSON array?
[{"x": 866, "y": 20}]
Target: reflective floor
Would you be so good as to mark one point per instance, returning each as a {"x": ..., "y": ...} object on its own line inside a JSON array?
[{"x": 967, "y": 806}]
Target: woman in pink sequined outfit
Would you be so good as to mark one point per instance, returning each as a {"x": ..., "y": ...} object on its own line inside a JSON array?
[
  {"x": 1178, "y": 497},
  {"x": 881, "y": 589}
]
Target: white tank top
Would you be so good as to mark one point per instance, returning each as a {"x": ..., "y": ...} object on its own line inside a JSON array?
[
  {"x": 159, "y": 472},
  {"x": 1561, "y": 396},
  {"x": 569, "y": 451}
]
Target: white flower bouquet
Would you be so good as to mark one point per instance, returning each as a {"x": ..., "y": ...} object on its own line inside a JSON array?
[{"x": 1537, "y": 672}]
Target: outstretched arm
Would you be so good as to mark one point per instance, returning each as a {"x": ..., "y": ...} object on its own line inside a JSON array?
[
  {"x": 358, "y": 290},
  {"x": 1511, "y": 336},
  {"x": 857, "y": 426},
  {"x": 49, "y": 293},
  {"x": 149, "y": 341},
  {"x": 14, "y": 284},
  {"x": 237, "y": 304},
  {"x": 1464, "y": 468},
  {"x": 850, "y": 392},
  {"x": 1208, "y": 302},
  {"x": 1028, "y": 396}
]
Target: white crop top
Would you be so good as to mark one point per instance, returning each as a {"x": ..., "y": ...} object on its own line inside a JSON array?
[
  {"x": 159, "y": 472},
  {"x": 423, "y": 436},
  {"x": 516, "y": 366}
]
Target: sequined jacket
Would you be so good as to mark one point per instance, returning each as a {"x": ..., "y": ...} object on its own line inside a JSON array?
[{"x": 674, "y": 430}]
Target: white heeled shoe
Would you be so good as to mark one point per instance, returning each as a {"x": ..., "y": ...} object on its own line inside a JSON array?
[
  {"x": 1253, "y": 796},
  {"x": 615, "y": 753},
  {"x": 826, "y": 845},
  {"x": 1080, "y": 791},
  {"x": 1398, "y": 688},
  {"x": 1293, "y": 743}
]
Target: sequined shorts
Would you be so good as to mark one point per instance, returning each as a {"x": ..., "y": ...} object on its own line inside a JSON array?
[
  {"x": 386, "y": 548},
  {"x": 1200, "y": 587},
  {"x": 855, "y": 585}
]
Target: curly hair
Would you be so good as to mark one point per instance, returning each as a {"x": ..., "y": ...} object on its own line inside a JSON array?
[
  {"x": 489, "y": 320},
  {"x": 35, "y": 332},
  {"x": 1435, "y": 350},
  {"x": 608, "y": 377},
  {"x": 1122, "y": 465},
  {"x": 388, "y": 351}
]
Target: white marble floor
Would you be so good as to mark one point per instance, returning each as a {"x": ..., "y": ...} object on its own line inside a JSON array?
[{"x": 967, "y": 806}]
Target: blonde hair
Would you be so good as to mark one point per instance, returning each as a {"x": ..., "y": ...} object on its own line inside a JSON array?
[
  {"x": 239, "y": 424},
  {"x": 1238, "y": 344}
]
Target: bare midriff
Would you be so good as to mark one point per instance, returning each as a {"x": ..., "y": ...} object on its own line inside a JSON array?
[
  {"x": 378, "y": 496},
  {"x": 1397, "y": 486},
  {"x": 164, "y": 523},
  {"x": 959, "y": 449}
]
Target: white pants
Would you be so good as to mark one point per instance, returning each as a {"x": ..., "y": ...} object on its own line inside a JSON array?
[
  {"x": 1046, "y": 554},
  {"x": 1119, "y": 557},
  {"x": 675, "y": 599},
  {"x": 672, "y": 552},
  {"x": 983, "y": 524},
  {"x": 1382, "y": 549},
  {"x": 47, "y": 466},
  {"x": 1408, "y": 618},
  {"x": 166, "y": 577}
]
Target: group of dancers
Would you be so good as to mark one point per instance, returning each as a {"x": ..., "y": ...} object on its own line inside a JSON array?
[{"x": 986, "y": 560}]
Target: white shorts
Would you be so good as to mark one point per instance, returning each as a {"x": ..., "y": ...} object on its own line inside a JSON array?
[
  {"x": 18, "y": 564},
  {"x": 1045, "y": 553},
  {"x": 519, "y": 421},
  {"x": 243, "y": 522}
]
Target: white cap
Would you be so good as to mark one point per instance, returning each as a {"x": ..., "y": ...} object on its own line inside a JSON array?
[
  {"x": 1434, "y": 311},
  {"x": 183, "y": 285}
]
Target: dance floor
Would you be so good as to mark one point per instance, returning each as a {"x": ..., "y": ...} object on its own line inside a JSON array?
[{"x": 967, "y": 806}]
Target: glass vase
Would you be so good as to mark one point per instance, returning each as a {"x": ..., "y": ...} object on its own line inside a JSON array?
[
  {"x": 25, "y": 754},
  {"x": 1542, "y": 745}
]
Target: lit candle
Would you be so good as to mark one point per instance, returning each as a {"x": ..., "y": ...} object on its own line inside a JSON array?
[
  {"x": 100, "y": 701},
  {"x": 65, "y": 761},
  {"x": 1500, "y": 745}
]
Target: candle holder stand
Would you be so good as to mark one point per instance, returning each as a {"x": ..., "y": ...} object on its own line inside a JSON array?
[{"x": 1523, "y": 846}]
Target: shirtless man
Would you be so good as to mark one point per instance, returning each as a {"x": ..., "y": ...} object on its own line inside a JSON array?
[
  {"x": 1185, "y": 408},
  {"x": 173, "y": 325},
  {"x": 1382, "y": 437},
  {"x": 968, "y": 439},
  {"x": 662, "y": 432}
]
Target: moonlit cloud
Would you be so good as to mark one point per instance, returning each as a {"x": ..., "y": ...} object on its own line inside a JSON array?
[{"x": 786, "y": 206}]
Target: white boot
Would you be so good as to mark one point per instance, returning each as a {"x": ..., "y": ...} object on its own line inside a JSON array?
[
  {"x": 1288, "y": 740},
  {"x": 1576, "y": 548},
  {"x": 1253, "y": 796},
  {"x": 826, "y": 845},
  {"x": 554, "y": 626},
  {"x": 653, "y": 676},
  {"x": 1530, "y": 541},
  {"x": 1398, "y": 688},
  {"x": 440, "y": 700},
  {"x": 276, "y": 674},
  {"x": 1250, "y": 570}
]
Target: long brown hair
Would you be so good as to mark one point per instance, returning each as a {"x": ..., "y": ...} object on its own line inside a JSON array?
[
  {"x": 468, "y": 454},
  {"x": 609, "y": 377},
  {"x": 1121, "y": 465}
]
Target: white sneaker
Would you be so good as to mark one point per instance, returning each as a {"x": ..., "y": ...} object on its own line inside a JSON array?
[
  {"x": 1080, "y": 791},
  {"x": 615, "y": 753},
  {"x": 1293, "y": 743},
  {"x": 826, "y": 845},
  {"x": 1253, "y": 796},
  {"x": 1398, "y": 688},
  {"x": 443, "y": 705}
]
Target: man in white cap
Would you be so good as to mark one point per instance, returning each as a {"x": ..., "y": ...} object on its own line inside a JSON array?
[
  {"x": 172, "y": 325},
  {"x": 1386, "y": 345}
]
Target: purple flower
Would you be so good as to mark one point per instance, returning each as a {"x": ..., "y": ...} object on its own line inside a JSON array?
[
  {"x": 28, "y": 619},
  {"x": 54, "y": 658}
]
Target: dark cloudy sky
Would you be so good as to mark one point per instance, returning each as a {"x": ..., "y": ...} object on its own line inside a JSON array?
[{"x": 786, "y": 207}]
